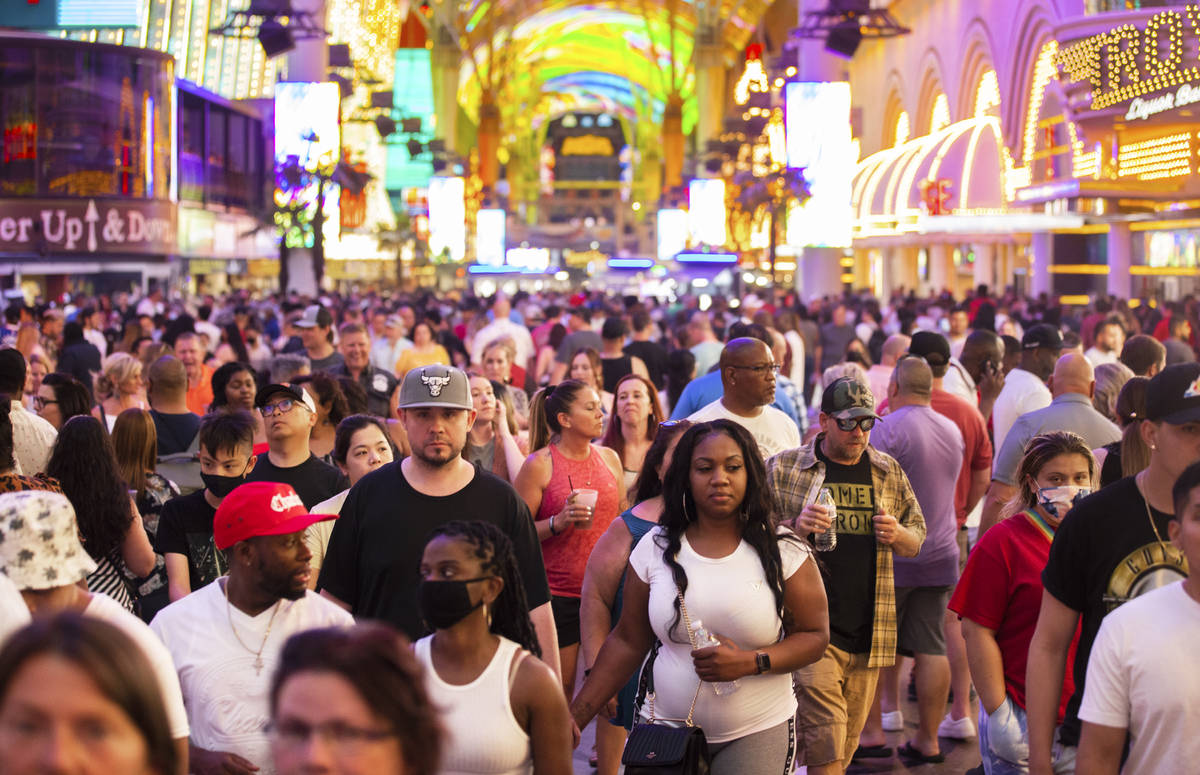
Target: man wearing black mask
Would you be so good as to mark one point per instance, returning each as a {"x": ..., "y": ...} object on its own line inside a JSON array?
[{"x": 185, "y": 525}]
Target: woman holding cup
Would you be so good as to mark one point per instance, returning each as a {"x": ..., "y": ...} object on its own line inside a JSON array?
[{"x": 573, "y": 489}]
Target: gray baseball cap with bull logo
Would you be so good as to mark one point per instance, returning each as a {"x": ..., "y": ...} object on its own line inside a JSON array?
[{"x": 435, "y": 386}]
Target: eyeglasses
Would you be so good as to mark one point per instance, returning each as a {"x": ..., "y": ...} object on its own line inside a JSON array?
[
  {"x": 40, "y": 403},
  {"x": 848, "y": 424},
  {"x": 761, "y": 369},
  {"x": 344, "y": 737},
  {"x": 283, "y": 407}
]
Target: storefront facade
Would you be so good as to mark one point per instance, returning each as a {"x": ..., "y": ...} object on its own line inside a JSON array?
[{"x": 1046, "y": 146}]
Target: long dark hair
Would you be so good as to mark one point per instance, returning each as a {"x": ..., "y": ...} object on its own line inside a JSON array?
[
  {"x": 116, "y": 665},
  {"x": 679, "y": 509},
  {"x": 84, "y": 463},
  {"x": 545, "y": 407},
  {"x": 510, "y": 612},
  {"x": 7, "y": 460},
  {"x": 649, "y": 484},
  {"x": 377, "y": 661}
]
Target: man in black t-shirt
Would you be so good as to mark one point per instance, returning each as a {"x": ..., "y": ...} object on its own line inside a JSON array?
[
  {"x": 1109, "y": 549},
  {"x": 290, "y": 413},
  {"x": 653, "y": 354},
  {"x": 877, "y": 516},
  {"x": 374, "y": 554},
  {"x": 185, "y": 524}
]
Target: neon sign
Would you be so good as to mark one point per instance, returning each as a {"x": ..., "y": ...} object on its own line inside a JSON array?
[{"x": 1130, "y": 62}]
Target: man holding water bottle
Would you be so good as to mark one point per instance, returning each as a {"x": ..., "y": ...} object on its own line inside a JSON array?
[{"x": 877, "y": 516}]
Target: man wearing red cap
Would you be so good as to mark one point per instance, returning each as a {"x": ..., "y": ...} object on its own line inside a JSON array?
[{"x": 225, "y": 638}]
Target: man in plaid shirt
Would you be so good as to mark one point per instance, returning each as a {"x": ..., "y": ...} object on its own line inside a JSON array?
[{"x": 877, "y": 515}]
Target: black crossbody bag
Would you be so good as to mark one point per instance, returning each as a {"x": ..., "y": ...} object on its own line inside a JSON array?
[{"x": 654, "y": 748}]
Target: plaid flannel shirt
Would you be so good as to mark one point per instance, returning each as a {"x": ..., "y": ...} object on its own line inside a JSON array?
[{"x": 795, "y": 477}]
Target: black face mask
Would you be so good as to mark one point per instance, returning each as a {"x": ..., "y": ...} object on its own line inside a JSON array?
[
  {"x": 446, "y": 603},
  {"x": 220, "y": 486}
]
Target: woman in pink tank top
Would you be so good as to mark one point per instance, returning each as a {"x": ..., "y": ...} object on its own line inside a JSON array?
[{"x": 572, "y": 488}]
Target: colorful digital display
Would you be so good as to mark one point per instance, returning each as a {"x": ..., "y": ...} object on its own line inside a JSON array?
[
  {"x": 307, "y": 138},
  {"x": 706, "y": 212},
  {"x": 412, "y": 96},
  {"x": 489, "y": 237},
  {"x": 448, "y": 218},
  {"x": 62, "y": 14},
  {"x": 672, "y": 233},
  {"x": 825, "y": 150}
]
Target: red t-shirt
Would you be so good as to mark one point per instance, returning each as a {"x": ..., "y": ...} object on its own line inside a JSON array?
[
  {"x": 1001, "y": 589},
  {"x": 978, "y": 446}
]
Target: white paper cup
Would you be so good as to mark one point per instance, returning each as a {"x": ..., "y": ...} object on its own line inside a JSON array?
[{"x": 584, "y": 497}]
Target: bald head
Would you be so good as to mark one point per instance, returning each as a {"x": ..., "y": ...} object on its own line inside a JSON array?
[
  {"x": 1073, "y": 374},
  {"x": 744, "y": 351},
  {"x": 893, "y": 347},
  {"x": 913, "y": 381}
]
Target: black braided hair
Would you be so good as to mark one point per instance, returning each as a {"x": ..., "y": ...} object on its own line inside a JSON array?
[
  {"x": 679, "y": 510},
  {"x": 510, "y": 612}
]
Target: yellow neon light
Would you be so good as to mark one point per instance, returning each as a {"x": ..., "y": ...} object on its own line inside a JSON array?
[
  {"x": 848, "y": 278},
  {"x": 987, "y": 95},
  {"x": 1078, "y": 300},
  {"x": 1078, "y": 269},
  {"x": 1164, "y": 271},
  {"x": 1184, "y": 223},
  {"x": 903, "y": 129},
  {"x": 940, "y": 117}
]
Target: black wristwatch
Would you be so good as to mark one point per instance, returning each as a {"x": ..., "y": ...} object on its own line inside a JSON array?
[{"x": 762, "y": 663}]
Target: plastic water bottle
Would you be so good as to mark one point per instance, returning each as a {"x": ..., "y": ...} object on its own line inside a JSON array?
[
  {"x": 704, "y": 639},
  {"x": 826, "y": 541}
]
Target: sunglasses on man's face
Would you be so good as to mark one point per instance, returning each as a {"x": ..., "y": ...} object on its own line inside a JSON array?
[{"x": 847, "y": 424}]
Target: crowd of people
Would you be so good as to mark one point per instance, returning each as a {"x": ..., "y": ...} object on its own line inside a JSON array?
[{"x": 436, "y": 533}]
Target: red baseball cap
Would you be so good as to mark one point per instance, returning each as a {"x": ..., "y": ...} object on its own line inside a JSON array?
[{"x": 261, "y": 509}]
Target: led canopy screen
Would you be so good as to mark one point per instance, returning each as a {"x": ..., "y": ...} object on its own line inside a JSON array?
[{"x": 307, "y": 139}]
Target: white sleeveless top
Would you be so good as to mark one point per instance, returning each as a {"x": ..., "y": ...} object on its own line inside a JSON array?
[{"x": 484, "y": 737}]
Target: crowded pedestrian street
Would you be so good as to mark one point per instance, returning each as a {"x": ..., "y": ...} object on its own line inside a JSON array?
[{"x": 655, "y": 387}]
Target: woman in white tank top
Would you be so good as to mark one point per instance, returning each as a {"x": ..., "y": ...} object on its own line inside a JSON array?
[{"x": 503, "y": 709}]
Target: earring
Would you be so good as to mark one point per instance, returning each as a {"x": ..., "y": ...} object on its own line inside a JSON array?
[
  {"x": 686, "y": 517},
  {"x": 744, "y": 515}
]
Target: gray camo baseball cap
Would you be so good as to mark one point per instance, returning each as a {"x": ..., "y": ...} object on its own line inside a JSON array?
[{"x": 436, "y": 386}]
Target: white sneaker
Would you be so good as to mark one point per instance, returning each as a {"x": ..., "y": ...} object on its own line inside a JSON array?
[
  {"x": 893, "y": 721},
  {"x": 957, "y": 728}
]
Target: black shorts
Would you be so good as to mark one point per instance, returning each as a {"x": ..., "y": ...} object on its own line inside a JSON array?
[{"x": 566, "y": 620}]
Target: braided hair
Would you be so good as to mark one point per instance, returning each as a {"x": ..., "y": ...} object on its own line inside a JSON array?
[
  {"x": 510, "y": 612},
  {"x": 679, "y": 510}
]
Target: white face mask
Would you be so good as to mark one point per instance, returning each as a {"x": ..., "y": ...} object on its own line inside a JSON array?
[{"x": 1057, "y": 501}]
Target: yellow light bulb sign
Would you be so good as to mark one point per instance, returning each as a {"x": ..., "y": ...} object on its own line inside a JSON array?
[{"x": 1153, "y": 66}]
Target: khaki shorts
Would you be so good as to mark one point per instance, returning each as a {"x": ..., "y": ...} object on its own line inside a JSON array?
[{"x": 834, "y": 694}]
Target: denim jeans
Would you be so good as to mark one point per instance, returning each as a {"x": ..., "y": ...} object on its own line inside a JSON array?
[{"x": 1004, "y": 743}]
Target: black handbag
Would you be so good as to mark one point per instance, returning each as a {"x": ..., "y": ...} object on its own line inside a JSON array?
[{"x": 654, "y": 748}]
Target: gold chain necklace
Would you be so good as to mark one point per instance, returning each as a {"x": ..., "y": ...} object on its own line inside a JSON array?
[
  {"x": 258, "y": 660},
  {"x": 1149, "y": 515}
]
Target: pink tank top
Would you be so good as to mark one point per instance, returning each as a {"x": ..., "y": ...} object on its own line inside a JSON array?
[{"x": 566, "y": 555}]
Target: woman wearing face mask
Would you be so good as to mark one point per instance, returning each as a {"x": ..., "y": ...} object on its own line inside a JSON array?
[
  {"x": 1000, "y": 594},
  {"x": 360, "y": 447},
  {"x": 502, "y": 708},
  {"x": 604, "y": 581}
]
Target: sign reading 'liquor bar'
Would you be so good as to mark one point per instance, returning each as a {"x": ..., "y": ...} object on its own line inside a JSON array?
[
  {"x": 87, "y": 226},
  {"x": 1147, "y": 68}
]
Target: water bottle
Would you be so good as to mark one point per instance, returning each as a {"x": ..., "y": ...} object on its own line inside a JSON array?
[
  {"x": 704, "y": 639},
  {"x": 826, "y": 541}
]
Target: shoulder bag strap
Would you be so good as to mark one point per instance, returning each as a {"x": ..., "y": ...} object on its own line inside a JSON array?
[{"x": 687, "y": 622}]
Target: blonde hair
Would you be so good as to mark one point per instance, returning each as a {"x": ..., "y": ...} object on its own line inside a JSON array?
[{"x": 117, "y": 368}]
